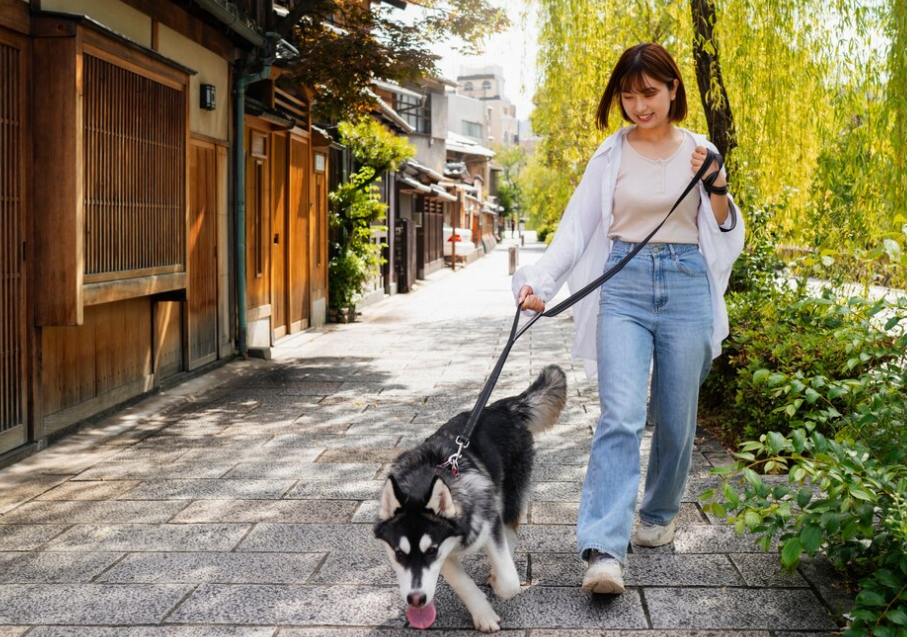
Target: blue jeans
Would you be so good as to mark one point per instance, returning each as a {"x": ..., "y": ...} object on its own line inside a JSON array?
[{"x": 655, "y": 313}]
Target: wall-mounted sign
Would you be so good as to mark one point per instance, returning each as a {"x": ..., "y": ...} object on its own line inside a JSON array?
[{"x": 319, "y": 162}]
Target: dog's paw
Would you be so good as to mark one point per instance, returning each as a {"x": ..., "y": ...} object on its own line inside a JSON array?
[
  {"x": 487, "y": 621},
  {"x": 506, "y": 587}
]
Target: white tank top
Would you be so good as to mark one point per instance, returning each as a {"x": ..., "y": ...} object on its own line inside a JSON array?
[{"x": 645, "y": 191}]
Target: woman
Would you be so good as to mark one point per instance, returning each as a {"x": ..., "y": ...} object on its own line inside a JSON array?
[{"x": 663, "y": 312}]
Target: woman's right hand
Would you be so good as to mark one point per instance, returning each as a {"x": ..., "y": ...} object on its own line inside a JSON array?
[{"x": 529, "y": 301}]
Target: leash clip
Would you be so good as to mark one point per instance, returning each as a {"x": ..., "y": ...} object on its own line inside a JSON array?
[{"x": 453, "y": 462}]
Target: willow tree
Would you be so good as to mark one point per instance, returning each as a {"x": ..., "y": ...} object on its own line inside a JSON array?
[{"x": 817, "y": 91}]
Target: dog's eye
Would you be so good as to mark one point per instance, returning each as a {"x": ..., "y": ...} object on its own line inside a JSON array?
[
  {"x": 400, "y": 555},
  {"x": 431, "y": 551}
]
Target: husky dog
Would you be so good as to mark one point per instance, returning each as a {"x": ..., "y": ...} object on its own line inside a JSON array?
[{"x": 429, "y": 517}]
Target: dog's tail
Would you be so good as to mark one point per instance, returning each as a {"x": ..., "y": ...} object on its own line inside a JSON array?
[{"x": 545, "y": 398}]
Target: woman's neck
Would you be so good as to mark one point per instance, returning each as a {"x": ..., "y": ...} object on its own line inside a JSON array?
[{"x": 660, "y": 135}]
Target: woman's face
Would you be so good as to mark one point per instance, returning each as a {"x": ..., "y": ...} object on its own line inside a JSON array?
[{"x": 648, "y": 104}]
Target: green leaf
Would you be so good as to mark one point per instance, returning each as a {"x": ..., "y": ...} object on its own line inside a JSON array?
[
  {"x": 759, "y": 375},
  {"x": 776, "y": 441},
  {"x": 790, "y": 552},
  {"x": 897, "y": 616},
  {"x": 798, "y": 436},
  {"x": 804, "y": 495},
  {"x": 775, "y": 379},
  {"x": 870, "y": 598},
  {"x": 731, "y": 496},
  {"x": 811, "y": 538},
  {"x": 894, "y": 320},
  {"x": 753, "y": 519}
]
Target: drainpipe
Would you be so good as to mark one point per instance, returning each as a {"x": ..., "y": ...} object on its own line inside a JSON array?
[{"x": 241, "y": 81}]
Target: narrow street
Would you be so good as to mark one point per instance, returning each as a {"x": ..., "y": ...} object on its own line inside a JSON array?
[{"x": 241, "y": 503}]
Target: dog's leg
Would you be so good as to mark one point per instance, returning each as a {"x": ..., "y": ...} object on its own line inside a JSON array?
[
  {"x": 510, "y": 535},
  {"x": 504, "y": 577},
  {"x": 483, "y": 616}
]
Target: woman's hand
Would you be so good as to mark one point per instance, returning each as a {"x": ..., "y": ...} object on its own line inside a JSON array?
[
  {"x": 699, "y": 156},
  {"x": 530, "y": 301}
]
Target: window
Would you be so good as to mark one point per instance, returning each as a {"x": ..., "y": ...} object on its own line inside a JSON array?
[
  {"x": 416, "y": 111},
  {"x": 486, "y": 85},
  {"x": 134, "y": 159},
  {"x": 472, "y": 129},
  {"x": 467, "y": 86}
]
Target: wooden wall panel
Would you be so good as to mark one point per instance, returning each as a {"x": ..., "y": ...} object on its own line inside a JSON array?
[
  {"x": 319, "y": 233},
  {"x": 168, "y": 342},
  {"x": 13, "y": 166},
  {"x": 97, "y": 365},
  {"x": 300, "y": 253},
  {"x": 202, "y": 291},
  {"x": 258, "y": 221},
  {"x": 58, "y": 210},
  {"x": 279, "y": 240}
]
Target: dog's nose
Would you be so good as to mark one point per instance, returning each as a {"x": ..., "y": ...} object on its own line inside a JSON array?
[{"x": 416, "y": 599}]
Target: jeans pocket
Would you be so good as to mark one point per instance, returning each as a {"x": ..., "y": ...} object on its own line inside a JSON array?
[{"x": 691, "y": 263}]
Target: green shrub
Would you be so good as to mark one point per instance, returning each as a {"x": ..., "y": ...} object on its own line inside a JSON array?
[
  {"x": 817, "y": 341},
  {"x": 842, "y": 441},
  {"x": 542, "y": 232}
]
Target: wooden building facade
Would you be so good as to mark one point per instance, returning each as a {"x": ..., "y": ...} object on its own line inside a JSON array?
[{"x": 117, "y": 235}]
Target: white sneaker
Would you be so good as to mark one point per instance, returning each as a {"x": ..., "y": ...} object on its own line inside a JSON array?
[
  {"x": 652, "y": 535},
  {"x": 604, "y": 575}
]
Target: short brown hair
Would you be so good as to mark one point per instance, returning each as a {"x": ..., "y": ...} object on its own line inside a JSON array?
[{"x": 648, "y": 58}]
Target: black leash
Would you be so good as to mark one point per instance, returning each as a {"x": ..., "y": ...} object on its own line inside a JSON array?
[{"x": 463, "y": 439}]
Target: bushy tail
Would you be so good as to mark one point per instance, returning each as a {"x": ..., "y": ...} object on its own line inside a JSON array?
[{"x": 544, "y": 399}]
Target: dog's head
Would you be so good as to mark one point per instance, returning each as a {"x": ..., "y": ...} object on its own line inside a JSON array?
[{"x": 419, "y": 532}]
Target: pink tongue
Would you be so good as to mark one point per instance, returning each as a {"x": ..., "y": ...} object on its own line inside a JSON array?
[{"x": 421, "y": 617}]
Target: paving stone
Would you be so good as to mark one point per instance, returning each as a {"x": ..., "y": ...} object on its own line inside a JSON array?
[
  {"x": 765, "y": 571},
  {"x": 324, "y": 489},
  {"x": 87, "y": 603},
  {"x": 380, "y": 632},
  {"x": 367, "y": 512},
  {"x": 209, "y": 490},
  {"x": 309, "y": 538},
  {"x": 300, "y": 605},
  {"x": 711, "y": 539},
  {"x": 149, "y": 537},
  {"x": 548, "y": 607},
  {"x": 837, "y": 593},
  {"x": 88, "y": 512},
  {"x": 27, "y": 537},
  {"x": 557, "y": 491},
  {"x": 215, "y": 568},
  {"x": 101, "y": 490},
  {"x": 765, "y": 609},
  {"x": 567, "y": 569},
  {"x": 554, "y": 538},
  {"x": 17, "y": 490},
  {"x": 558, "y": 473},
  {"x": 28, "y": 567},
  {"x": 293, "y": 441},
  {"x": 360, "y": 454},
  {"x": 339, "y": 472},
  {"x": 13, "y": 631},
  {"x": 258, "y": 511},
  {"x": 151, "y": 631},
  {"x": 554, "y": 513},
  {"x": 650, "y": 633}
]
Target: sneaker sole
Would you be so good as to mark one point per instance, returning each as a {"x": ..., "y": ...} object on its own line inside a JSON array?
[{"x": 603, "y": 587}]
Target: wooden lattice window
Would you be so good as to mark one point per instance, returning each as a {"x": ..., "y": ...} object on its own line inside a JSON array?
[{"x": 135, "y": 166}]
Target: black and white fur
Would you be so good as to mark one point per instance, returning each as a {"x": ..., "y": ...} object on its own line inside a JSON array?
[{"x": 428, "y": 519}]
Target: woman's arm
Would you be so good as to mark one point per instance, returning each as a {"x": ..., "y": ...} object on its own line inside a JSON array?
[{"x": 581, "y": 218}]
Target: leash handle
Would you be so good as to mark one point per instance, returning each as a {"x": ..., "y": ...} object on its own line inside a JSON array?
[{"x": 570, "y": 301}]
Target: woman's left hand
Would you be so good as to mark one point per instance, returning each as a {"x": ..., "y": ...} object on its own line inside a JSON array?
[{"x": 699, "y": 156}]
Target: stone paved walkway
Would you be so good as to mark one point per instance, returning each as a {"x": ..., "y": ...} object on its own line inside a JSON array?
[{"x": 241, "y": 503}]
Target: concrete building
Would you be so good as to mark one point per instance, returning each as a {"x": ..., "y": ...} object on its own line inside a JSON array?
[{"x": 487, "y": 85}]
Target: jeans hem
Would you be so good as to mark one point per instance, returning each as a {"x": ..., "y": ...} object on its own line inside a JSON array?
[
  {"x": 645, "y": 521},
  {"x": 622, "y": 558}
]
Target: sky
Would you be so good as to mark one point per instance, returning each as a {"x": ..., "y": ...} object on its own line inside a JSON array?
[{"x": 514, "y": 50}]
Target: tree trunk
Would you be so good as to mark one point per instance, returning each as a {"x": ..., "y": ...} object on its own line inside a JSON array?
[{"x": 705, "y": 52}]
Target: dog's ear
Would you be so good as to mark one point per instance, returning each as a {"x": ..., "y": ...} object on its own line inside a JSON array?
[
  {"x": 391, "y": 498},
  {"x": 440, "y": 499}
]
